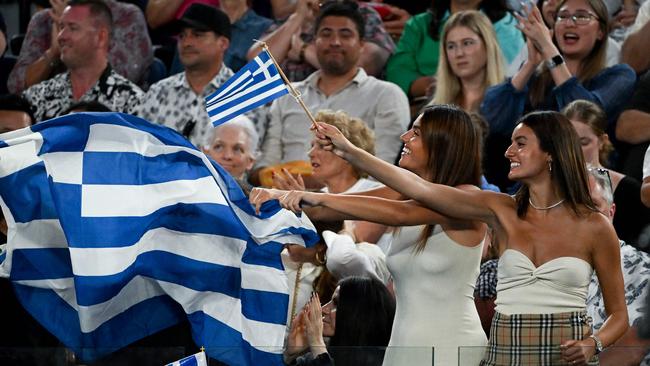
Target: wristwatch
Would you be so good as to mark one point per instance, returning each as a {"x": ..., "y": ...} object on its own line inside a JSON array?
[
  {"x": 554, "y": 62},
  {"x": 599, "y": 343}
]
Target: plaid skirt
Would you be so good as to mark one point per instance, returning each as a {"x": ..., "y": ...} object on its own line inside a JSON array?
[{"x": 534, "y": 339}]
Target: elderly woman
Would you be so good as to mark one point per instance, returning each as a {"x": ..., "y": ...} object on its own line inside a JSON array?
[{"x": 234, "y": 146}]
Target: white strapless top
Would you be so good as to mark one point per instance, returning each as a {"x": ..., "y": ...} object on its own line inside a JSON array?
[{"x": 557, "y": 286}]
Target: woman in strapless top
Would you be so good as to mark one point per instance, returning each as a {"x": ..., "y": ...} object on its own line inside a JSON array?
[{"x": 553, "y": 238}]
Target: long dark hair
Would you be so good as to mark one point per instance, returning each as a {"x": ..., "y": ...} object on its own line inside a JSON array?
[
  {"x": 558, "y": 138},
  {"x": 494, "y": 9},
  {"x": 454, "y": 144},
  {"x": 364, "y": 318}
]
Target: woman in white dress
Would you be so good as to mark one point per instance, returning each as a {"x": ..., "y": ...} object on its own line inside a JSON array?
[{"x": 434, "y": 265}]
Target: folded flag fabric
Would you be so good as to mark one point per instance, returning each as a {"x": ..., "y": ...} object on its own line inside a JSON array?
[
  {"x": 119, "y": 228},
  {"x": 197, "y": 359},
  {"x": 256, "y": 84}
]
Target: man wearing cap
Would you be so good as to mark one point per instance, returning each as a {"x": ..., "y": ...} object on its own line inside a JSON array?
[
  {"x": 178, "y": 101},
  {"x": 84, "y": 38}
]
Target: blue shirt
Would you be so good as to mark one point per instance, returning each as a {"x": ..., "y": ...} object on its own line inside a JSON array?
[
  {"x": 611, "y": 88},
  {"x": 250, "y": 26}
]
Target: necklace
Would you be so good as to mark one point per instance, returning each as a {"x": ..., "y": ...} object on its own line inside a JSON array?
[
  {"x": 296, "y": 286},
  {"x": 545, "y": 208}
]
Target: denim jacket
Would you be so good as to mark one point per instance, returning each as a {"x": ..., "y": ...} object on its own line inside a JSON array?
[{"x": 611, "y": 88}]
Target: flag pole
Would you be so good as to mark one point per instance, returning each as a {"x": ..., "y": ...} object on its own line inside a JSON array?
[{"x": 294, "y": 92}]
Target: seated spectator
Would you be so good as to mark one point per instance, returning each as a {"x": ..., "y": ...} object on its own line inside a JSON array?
[
  {"x": 471, "y": 60},
  {"x": 589, "y": 122},
  {"x": 246, "y": 26},
  {"x": 549, "y": 13},
  {"x": 552, "y": 77},
  {"x": 360, "y": 314},
  {"x": 130, "y": 51},
  {"x": 633, "y": 128},
  {"x": 576, "y": 68},
  {"x": 84, "y": 37},
  {"x": 415, "y": 62},
  {"x": 293, "y": 42},
  {"x": 178, "y": 101},
  {"x": 629, "y": 349},
  {"x": 336, "y": 174},
  {"x": 15, "y": 113},
  {"x": 339, "y": 84},
  {"x": 637, "y": 41},
  {"x": 234, "y": 145}
]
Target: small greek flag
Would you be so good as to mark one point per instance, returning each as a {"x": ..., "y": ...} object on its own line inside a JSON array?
[
  {"x": 254, "y": 85},
  {"x": 119, "y": 228},
  {"x": 193, "y": 360}
]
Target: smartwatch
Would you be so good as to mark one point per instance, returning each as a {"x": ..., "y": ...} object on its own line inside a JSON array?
[{"x": 554, "y": 62}]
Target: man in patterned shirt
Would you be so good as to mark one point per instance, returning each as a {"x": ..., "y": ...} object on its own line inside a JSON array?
[
  {"x": 178, "y": 101},
  {"x": 635, "y": 264},
  {"x": 84, "y": 38},
  {"x": 130, "y": 51}
]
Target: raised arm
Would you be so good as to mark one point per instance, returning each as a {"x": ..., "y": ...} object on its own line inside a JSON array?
[
  {"x": 374, "y": 209},
  {"x": 476, "y": 205}
]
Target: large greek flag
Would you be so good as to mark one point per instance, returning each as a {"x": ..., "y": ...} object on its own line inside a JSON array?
[
  {"x": 254, "y": 85},
  {"x": 119, "y": 228}
]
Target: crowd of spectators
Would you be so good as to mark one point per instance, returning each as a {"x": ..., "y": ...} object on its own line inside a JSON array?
[{"x": 376, "y": 71}]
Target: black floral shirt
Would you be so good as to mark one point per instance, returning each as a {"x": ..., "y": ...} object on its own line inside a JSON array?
[
  {"x": 173, "y": 103},
  {"x": 53, "y": 97}
]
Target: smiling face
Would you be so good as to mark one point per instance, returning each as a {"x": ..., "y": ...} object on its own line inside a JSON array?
[
  {"x": 329, "y": 314},
  {"x": 338, "y": 45},
  {"x": 414, "y": 155},
  {"x": 527, "y": 160},
  {"x": 79, "y": 37},
  {"x": 589, "y": 141},
  {"x": 465, "y": 52},
  {"x": 577, "y": 40}
]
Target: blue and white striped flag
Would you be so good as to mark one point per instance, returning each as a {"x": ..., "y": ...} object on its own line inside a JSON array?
[
  {"x": 119, "y": 228},
  {"x": 254, "y": 85},
  {"x": 197, "y": 359}
]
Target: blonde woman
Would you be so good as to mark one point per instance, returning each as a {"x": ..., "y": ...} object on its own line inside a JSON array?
[{"x": 472, "y": 61}]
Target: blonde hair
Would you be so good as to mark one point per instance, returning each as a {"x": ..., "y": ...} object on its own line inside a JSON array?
[
  {"x": 449, "y": 87},
  {"x": 590, "y": 66},
  {"x": 354, "y": 129}
]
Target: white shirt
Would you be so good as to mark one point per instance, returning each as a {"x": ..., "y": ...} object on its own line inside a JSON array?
[{"x": 380, "y": 104}]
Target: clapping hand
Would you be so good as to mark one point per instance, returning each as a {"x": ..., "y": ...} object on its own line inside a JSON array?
[
  {"x": 314, "y": 325},
  {"x": 287, "y": 182}
]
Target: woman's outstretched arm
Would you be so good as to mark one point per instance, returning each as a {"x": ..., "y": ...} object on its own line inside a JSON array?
[
  {"x": 374, "y": 209},
  {"x": 449, "y": 201}
]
